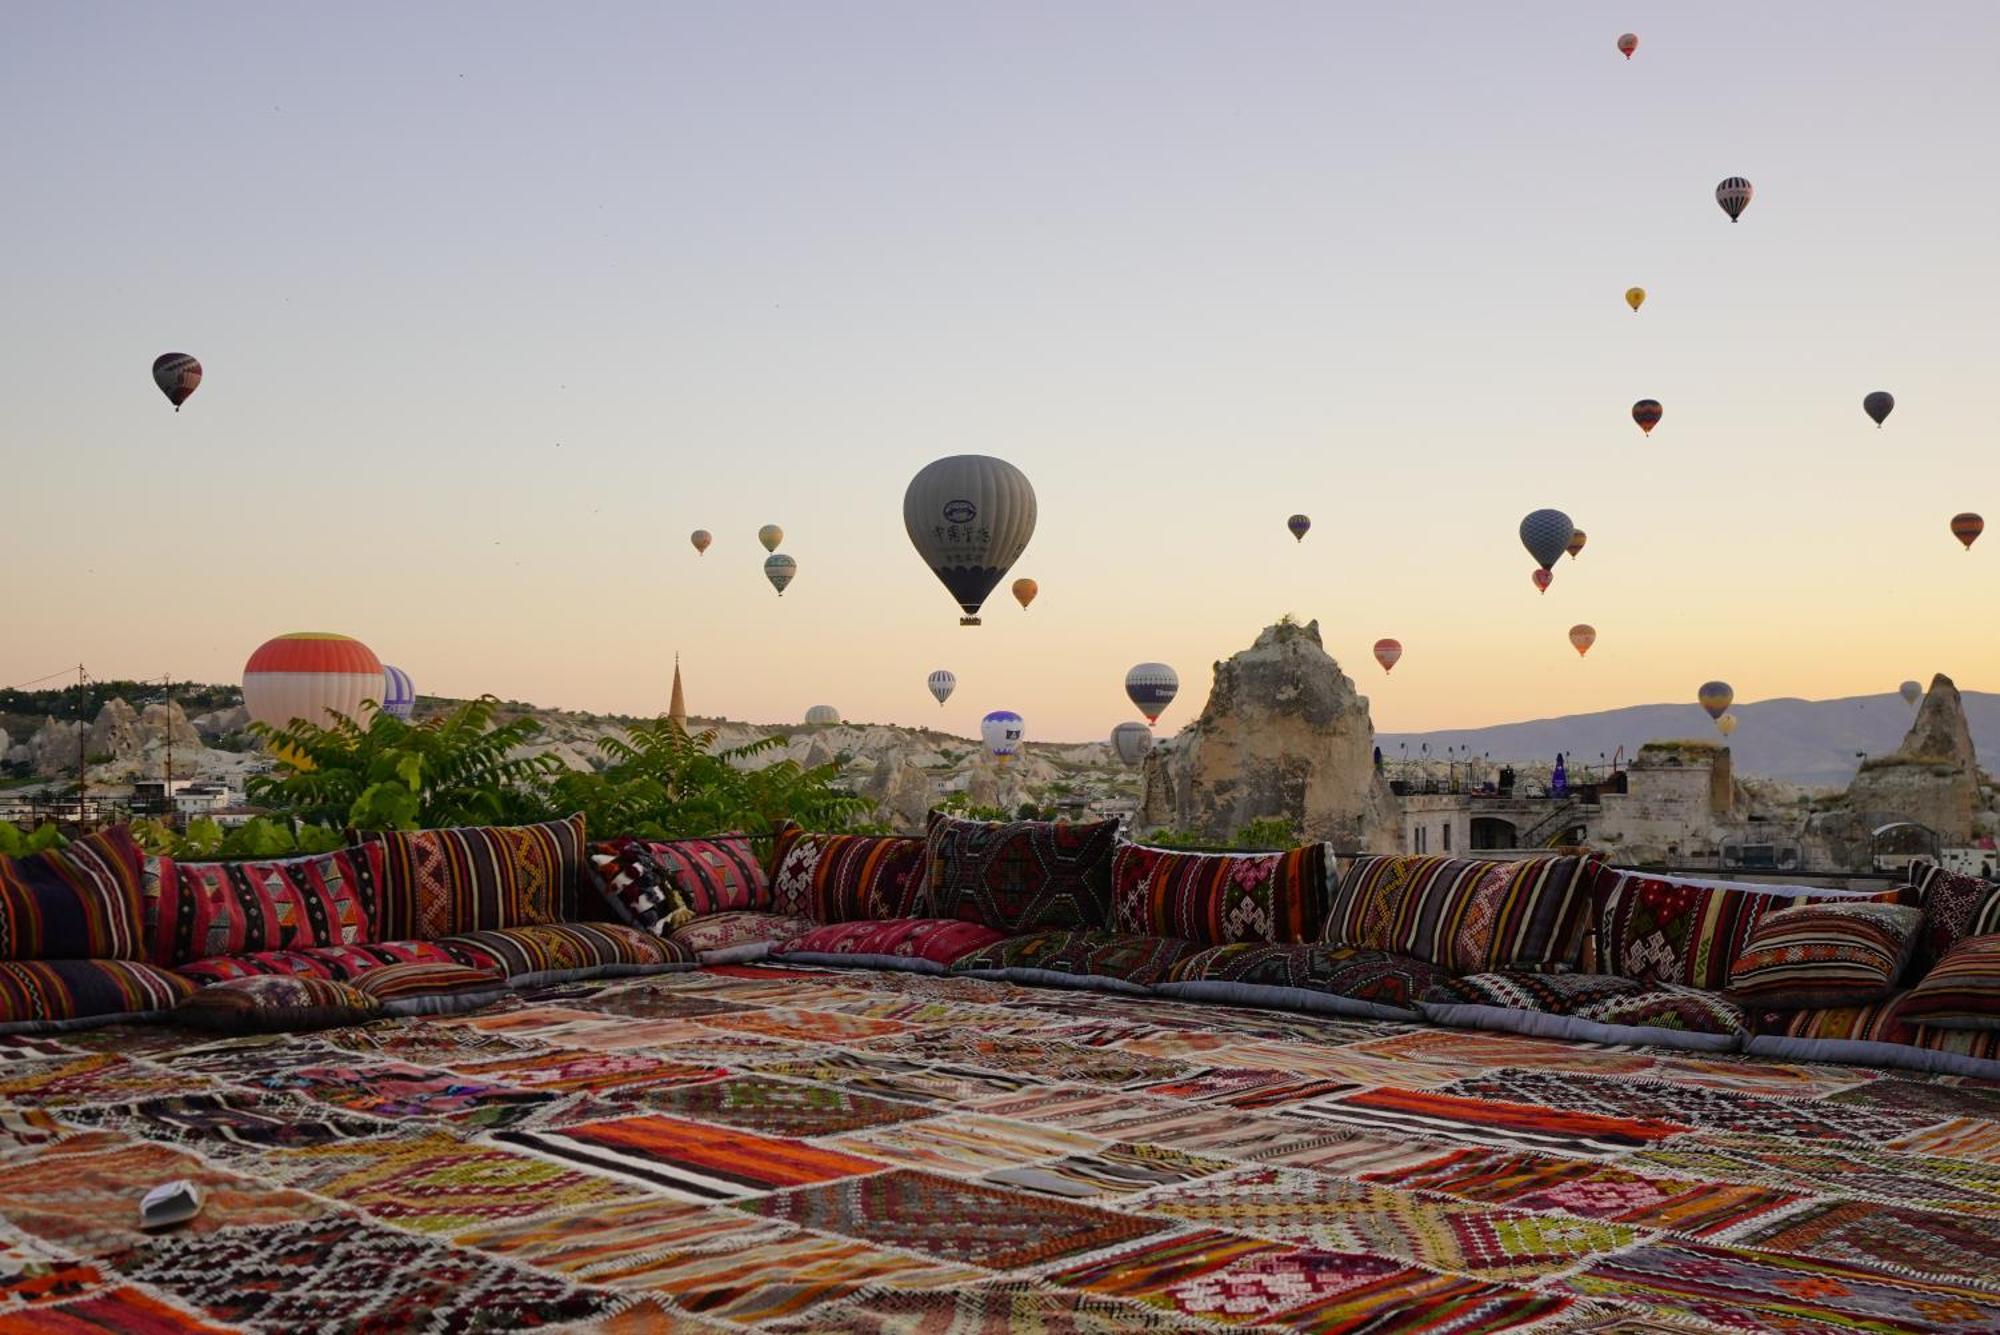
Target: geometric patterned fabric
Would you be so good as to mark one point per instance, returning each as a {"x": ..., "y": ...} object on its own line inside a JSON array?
[
  {"x": 194, "y": 910},
  {"x": 1021, "y": 876},
  {"x": 1216, "y": 899},
  {"x": 81, "y": 902},
  {"x": 1962, "y": 990},
  {"x": 437, "y": 883},
  {"x": 1825, "y": 954},
  {"x": 847, "y": 877},
  {"x": 52, "y": 993},
  {"x": 1466, "y": 914}
]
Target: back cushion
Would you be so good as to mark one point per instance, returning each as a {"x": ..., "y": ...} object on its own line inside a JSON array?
[
  {"x": 196, "y": 910},
  {"x": 1661, "y": 930},
  {"x": 1220, "y": 899},
  {"x": 1952, "y": 903},
  {"x": 847, "y": 877},
  {"x": 721, "y": 874},
  {"x": 438, "y": 883},
  {"x": 1021, "y": 876},
  {"x": 74, "y": 903},
  {"x": 634, "y": 887},
  {"x": 1469, "y": 915}
]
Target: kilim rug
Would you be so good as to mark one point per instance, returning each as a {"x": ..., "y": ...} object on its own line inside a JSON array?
[{"x": 893, "y": 1154}]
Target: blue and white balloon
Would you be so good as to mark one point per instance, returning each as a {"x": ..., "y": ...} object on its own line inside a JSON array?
[
  {"x": 1003, "y": 731},
  {"x": 399, "y": 696},
  {"x": 1152, "y": 687}
]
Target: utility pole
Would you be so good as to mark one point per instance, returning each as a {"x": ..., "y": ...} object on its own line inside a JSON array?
[
  {"x": 167, "y": 693},
  {"x": 82, "y": 740}
]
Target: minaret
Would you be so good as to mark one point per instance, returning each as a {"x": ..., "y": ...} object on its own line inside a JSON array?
[{"x": 677, "y": 709}]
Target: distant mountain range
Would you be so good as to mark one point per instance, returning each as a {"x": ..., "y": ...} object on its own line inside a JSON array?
[{"x": 1805, "y": 741}]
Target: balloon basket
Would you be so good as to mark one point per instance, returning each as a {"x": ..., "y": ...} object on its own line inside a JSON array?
[{"x": 969, "y": 621}]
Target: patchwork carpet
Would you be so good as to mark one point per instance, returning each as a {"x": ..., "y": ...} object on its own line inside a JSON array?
[{"x": 892, "y": 1154}]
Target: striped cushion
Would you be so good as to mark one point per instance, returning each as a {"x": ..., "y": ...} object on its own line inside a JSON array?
[
  {"x": 561, "y": 951},
  {"x": 1831, "y": 954},
  {"x": 79, "y": 902},
  {"x": 1329, "y": 980},
  {"x": 276, "y": 1002},
  {"x": 1691, "y": 932},
  {"x": 1588, "y": 1007},
  {"x": 1469, "y": 915},
  {"x": 1217, "y": 899},
  {"x": 718, "y": 875},
  {"x": 848, "y": 877},
  {"x": 1954, "y": 905},
  {"x": 1879, "y": 1035},
  {"x": 194, "y": 910},
  {"x": 418, "y": 989},
  {"x": 438, "y": 883},
  {"x": 70, "y": 994},
  {"x": 1080, "y": 958},
  {"x": 1962, "y": 990},
  {"x": 340, "y": 963},
  {"x": 738, "y": 938}
]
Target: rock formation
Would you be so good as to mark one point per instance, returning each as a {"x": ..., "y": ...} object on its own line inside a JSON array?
[
  {"x": 1284, "y": 735},
  {"x": 52, "y": 751},
  {"x": 1932, "y": 778},
  {"x": 901, "y": 792}
]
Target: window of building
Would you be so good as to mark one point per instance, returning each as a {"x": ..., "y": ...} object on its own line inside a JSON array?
[{"x": 1447, "y": 837}]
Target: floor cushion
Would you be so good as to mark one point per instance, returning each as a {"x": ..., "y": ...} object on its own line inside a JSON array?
[
  {"x": 562, "y": 952},
  {"x": 1953, "y": 903},
  {"x": 1877, "y": 1035},
  {"x": 194, "y": 910},
  {"x": 1079, "y": 958},
  {"x": 439, "y": 883},
  {"x": 81, "y": 902},
  {"x": 1595, "y": 1008},
  {"x": 340, "y": 963},
  {"x": 719, "y": 874},
  {"x": 1219, "y": 898},
  {"x": 631, "y": 883},
  {"x": 430, "y": 988},
  {"x": 1962, "y": 990},
  {"x": 1827, "y": 954},
  {"x": 913, "y": 945},
  {"x": 1021, "y": 876},
  {"x": 1333, "y": 980},
  {"x": 276, "y": 1002},
  {"x": 46, "y": 995},
  {"x": 1467, "y": 914},
  {"x": 738, "y": 938},
  {"x": 847, "y": 877}
]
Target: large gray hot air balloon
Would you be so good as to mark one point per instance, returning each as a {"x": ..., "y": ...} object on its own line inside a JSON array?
[
  {"x": 1152, "y": 687},
  {"x": 1546, "y": 535},
  {"x": 969, "y": 516},
  {"x": 1132, "y": 741},
  {"x": 942, "y": 683},
  {"x": 1733, "y": 194}
]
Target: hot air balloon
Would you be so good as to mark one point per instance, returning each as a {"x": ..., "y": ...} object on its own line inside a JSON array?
[
  {"x": 1630, "y": 43},
  {"x": 1131, "y": 741},
  {"x": 820, "y": 716},
  {"x": 1913, "y": 691},
  {"x": 701, "y": 537},
  {"x": 1152, "y": 687},
  {"x": 1002, "y": 731},
  {"x": 1388, "y": 653},
  {"x": 1647, "y": 413},
  {"x": 1576, "y": 543},
  {"x": 178, "y": 375},
  {"x": 1967, "y": 528},
  {"x": 1716, "y": 697},
  {"x": 1542, "y": 579},
  {"x": 942, "y": 684},
  {"x": 1726, "y": 724},
  {"x": 1298, "y": 524},
  {"x": 969, "y": 516},
  {"x": 1635, "y": 297},
  {"x": 1734, "y": 196},
  {"x": 1879, "y": 405},
  {"x": 770, "y": 535},
  {"x": 1546, "y": 535},
  {"x": 779, "y": 569},
  {"x": 1024, "y": 592},
  {"x": 399, "y": 696},
  {"x": 1581, "y": 637},
  {"x": 311, "y": 675}
]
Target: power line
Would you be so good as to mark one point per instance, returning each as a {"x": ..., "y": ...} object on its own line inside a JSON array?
[{"x": 39, "y": 680}]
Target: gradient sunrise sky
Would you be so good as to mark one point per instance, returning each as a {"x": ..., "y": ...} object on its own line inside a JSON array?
[{"x": 498, "y": 302}]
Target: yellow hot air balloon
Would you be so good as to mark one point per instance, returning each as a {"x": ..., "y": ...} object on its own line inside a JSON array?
[
  {"x": 1025, "y": 591},
  {"x": 770, "y": 535},
  {"x": 1581, "y": 637},
  {"x": 1635, "y": 297},
  {"x": 1726, "y": 724}
]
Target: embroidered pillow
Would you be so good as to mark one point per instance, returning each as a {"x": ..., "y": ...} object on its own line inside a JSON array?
[
  {"x": 1471, "y": 915},
  {"x": 1953, "y": 903},
  {"x": 276, "y": 1001},
  {"x": 847, "y": 877},
  {"x": 1219, "y": 899},
  {"x": 1962, "y": 990},
  {"x": 198, "y": 910},
  {"x": 437, "y": 883},
  {"x": 78, "y": 903},
  {"x": 635, "y": 888},
  {"x": 1829, "y": 954},
  {"x": 1021, "y": 876},
  {"x": 720, "y": 874}
]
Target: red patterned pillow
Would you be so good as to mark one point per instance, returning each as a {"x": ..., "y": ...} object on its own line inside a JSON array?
[
  {"x": 1953, "y": 904},
  {"x": 1691, "y": 932},
  {"x": 1962, "y": 990},
  {"x": 79, "y": 902},
  {"x": 635, "y": 887},
  {"x": 438, "y": 883},
  {"x": 1218, "y": 899},
  {"x": 429, "y": 989},
  {"x": 1472, "y": 915},
  {"x": 197, "y": 910},
  {"x": 1830, "y": 954},
  {"x": 722, "y": 874},
  {"x": 847, "y": 877},
  {"x": 918, "y": 945}
]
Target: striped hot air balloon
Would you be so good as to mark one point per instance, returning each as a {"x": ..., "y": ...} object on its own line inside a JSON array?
[
  {"x": 822, "y": 716},
  {"x": 780, "y": 569},
  {"x": 178, "y": 375},
  {"x": 1967, "y": 528},
  {"x": 1733, "y": 194},
  {"x": 1300, "y": 526},
  {"x": 399, "y": 695},
  {"x": 1388, "y": 653},
  {"x": 1132, "y": 741},
  {"x": 942, "y": 683},
  {"x": 1647, "y": 413},
  {"x": 1152, "y": 687},
  {"x": 311, "y": 675},
  {"x": 1546, "y": 535}
]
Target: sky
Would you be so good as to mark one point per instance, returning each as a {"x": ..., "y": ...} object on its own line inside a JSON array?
[{"x": 497, "y": 303}]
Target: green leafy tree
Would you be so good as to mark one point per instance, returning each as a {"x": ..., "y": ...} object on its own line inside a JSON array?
[{"x": 18, "y": 843}]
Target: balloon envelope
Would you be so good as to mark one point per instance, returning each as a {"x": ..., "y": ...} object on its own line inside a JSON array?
[
  {"x": 178, "y": 375},
  {"x": 942, "y": 683},
  {"x": 1879, "y": 405},
  {"x": 399, "y": 694},
  {"x": 970, "y": 517},
  {"x": 1024, "y": 592},
  {"x": 821, "y": 715},
  {"x": 1635, "y": 297},
  {"x": 1388, "y": 653},
  {"x": 310, "y": 675},
  {"x": 1912, "y": 692},
  {"x": 1002, "y": 731},
  {"x": 779, "y": 569},
  {"x": 1581, "y": 637},
  {"x": 1546, "y": 535},
  {"x": 1152, "y": 687},
  {"x": 701, "y": 537},
  {"x": 1967, "y": 528},
  {"x": 1726, "y": 724},
  {"x": 1576, "y": 543},
  {"x": 1733, "y": 194},
  {"x": 1299, "y": 524},
  {"x": 1647, "y": 413},
  {"x": 1543, "y": 578},
  {"x": 1132, "y": 741},
  {"x": 770, "y": 535},
  {"x": 1628, "y": 44},
  {"x": 1716, "y": 697}
]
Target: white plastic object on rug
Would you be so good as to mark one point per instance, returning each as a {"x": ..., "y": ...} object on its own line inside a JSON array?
[{"x": 170, "y": 1203}]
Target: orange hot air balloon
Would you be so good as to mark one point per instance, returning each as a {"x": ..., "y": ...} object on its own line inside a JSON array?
[
  {"x": 1576, "y": 542},
  {"x": 1543, "y": 579},
  {"x": 1388, "y": 653},
  {"x": 1581, "y": 637},
  {"x": 1967, "y": 528},
  {"x": 1025, "y": 591}
]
